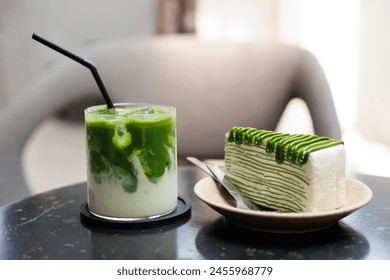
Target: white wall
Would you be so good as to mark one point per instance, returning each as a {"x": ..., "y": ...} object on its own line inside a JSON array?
[
  {"x": 330, "y": 30},
  {"x": 374, "y": 75},
  {"x": 351, "y": 40},
  {"x": 237, "y": 20}
]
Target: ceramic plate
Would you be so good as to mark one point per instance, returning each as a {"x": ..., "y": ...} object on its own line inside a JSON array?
[{"x": 358, "y": 195}]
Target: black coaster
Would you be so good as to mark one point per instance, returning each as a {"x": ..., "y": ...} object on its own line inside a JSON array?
[{"x": 183, "y": 210}]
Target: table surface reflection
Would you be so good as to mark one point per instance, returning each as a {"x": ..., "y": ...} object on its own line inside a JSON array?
[{"x": 48, "y": 226}]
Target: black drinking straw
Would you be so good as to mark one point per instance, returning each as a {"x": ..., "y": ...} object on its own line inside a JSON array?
[{"x": 83, "y": 62}]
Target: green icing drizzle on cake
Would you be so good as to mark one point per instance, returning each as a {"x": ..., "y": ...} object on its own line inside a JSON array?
[
  {"x": 286, "y": 172},
  {"x": 293, "y": 147}
]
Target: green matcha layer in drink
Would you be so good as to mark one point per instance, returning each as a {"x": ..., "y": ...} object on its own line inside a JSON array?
[{"x": 131, "y": 155}]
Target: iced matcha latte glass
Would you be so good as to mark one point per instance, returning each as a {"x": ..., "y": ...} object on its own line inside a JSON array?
[{"x": 132, "y": 164}]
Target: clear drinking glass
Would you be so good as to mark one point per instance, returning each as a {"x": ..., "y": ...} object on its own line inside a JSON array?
[{"x": 132, "y": 160}]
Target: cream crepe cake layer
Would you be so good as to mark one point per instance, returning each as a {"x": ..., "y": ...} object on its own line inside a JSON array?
[{"x": 286, "y": 172}]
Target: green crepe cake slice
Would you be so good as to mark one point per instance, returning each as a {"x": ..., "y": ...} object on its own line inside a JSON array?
[{"x": 286, "y": 172}]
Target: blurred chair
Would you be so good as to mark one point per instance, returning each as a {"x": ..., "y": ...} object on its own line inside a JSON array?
[{"x": 213, "y": 85}]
